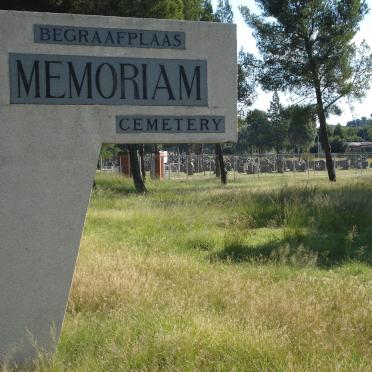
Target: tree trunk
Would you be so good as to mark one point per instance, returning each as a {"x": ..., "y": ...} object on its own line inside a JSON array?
[
  {"x": 220, "y": 163},
  {"x": 218, "y": 167},
  {"x": 142, "y": 161},
  {"x": 324, "y": 136},
  {"x": 135, "y": 168},
  {"x": 320, "y": 113}
]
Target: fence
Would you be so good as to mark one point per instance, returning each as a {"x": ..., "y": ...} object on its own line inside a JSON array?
[{"x": 254, "y": 165}]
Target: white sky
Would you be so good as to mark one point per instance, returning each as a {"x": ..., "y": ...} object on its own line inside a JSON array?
[{"x": 247, "y": 41}]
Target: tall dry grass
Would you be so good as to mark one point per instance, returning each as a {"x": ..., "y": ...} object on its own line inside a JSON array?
[{"x": 255, "y": 276}]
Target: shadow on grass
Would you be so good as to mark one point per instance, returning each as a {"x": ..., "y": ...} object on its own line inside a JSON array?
[
  {"x": 114, "y": 185},
  {"x": 121, "y": 185},
  {"x": 323, "y": 227},
  {"x": 312, "y": 250}
]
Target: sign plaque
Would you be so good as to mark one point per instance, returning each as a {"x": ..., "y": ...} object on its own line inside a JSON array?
[
  {"x": 116, "y": 37},
  {"x": 69, "y": 83},
  {"x": 86, "y": 80}
]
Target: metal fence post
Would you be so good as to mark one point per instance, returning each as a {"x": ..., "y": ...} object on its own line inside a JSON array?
[
  {"x": 234, "y": 165},
  {"x": 307, "y": 166}
]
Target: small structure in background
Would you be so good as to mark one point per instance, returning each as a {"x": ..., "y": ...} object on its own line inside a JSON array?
[
  {"x": 156, "y": 165},
  {"x": 358, "y": 147},
  {"x": 124, "y": 161}
]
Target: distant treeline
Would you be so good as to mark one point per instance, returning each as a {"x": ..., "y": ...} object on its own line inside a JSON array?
[
  {"x": 362, "y": 122},
  {"x": 258, "y": 134}
]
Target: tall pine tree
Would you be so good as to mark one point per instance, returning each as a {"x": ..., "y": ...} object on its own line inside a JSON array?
[
  {"x": 307, "y": 47},
  {"x": 224, "y": 13},
  {"x": 207, "y": 12},
  {"x": 279, "y": 123},
  {"x": 302, "y": 127}
]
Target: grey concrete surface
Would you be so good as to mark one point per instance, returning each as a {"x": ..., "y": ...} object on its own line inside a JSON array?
[{"x": 48, "y": 157}]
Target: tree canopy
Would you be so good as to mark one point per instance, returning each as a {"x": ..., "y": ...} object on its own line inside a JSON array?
[
  {"x": 279, "y": 123},
  {"x": 224, "y": 13},
  {"x": 257, "y": 131},
  {"x": 302, "y": 127},
  {"x": 173, "y": 9},
  {"x": 307, "y": 48}
]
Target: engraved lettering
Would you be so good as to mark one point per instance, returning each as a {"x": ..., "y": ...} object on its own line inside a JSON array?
[
  {"x": 121, "y": 124},
  {"x": 124, "y": 78},
  {"x": 49, "y": 78},
  {"x": 167, "y": 86},
  {"x": 184, "y": 82},
  {"x": 79, "y": 85},
  {"x": 21, "y": 75},
  {"x": 152, "y": 125},
  {"x": 99, "y": 79}
]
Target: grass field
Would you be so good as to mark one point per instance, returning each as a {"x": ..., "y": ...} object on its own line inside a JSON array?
[{"x": 261, "y": 275}]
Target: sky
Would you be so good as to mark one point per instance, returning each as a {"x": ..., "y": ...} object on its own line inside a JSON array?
[{"x": 351, "y": 110}]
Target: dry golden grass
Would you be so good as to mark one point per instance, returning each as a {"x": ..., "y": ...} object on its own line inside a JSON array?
[{"x": 307, "y": 320}]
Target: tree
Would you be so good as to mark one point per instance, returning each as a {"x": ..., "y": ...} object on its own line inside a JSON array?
[
  {"x": 224, "y": 13},
  {"x": 141, "y": 152},
  {"x": 363, "y": 133},
  {"x": 338, "y": 131},
  {"x": 279, "y": 123},
  {"x": 337, "y": 144},
  {"x": 136, "y": 169},
  {"x": 124, "y": 8},
  {"x": 109, "y": 150},
  {"x": 351, "y": 132},
  {"x": 192, "y": 9},
  {"x": 307, "y": 47},
  {"x": 302, "y": 127},
  {"x": 207, "y": 12},
  {"x": 259, "y": 131},
  {"x": 242, "y": 144},
  {"x": 27, "y": 5},
  {"x": 220, "y": 164},
  {"x": 246, "y": 81}
]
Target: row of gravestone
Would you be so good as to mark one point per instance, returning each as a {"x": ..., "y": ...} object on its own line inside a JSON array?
[{"x": 251, "y": 165}]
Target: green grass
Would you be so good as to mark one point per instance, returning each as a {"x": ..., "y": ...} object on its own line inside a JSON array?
[{"x": 261, "y": 275}]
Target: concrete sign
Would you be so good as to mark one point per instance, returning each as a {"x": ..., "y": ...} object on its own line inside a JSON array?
[{"x": 69, "y": 83}]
